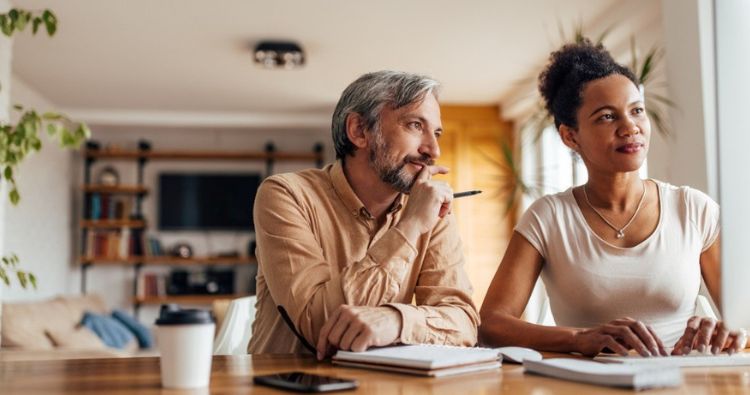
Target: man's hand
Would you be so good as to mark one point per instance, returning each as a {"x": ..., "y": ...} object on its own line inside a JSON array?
[
  {"x": 704, "y": 334},
  {"x": 357, "y": 328},
  {"x": 429, "y": 201},
  {"x": 619, "y": 336}
]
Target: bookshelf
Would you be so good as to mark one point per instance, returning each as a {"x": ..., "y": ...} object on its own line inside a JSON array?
[{"x": 113, "y": 225}]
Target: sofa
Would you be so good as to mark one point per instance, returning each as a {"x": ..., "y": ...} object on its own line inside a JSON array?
[{"x": 50, "y": 329}]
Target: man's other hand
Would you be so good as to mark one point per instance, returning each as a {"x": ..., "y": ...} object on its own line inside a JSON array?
[{"x": 358, "y": 328}]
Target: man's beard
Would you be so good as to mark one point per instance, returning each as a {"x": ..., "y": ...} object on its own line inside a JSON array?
[{"x": 389, "y": 169}]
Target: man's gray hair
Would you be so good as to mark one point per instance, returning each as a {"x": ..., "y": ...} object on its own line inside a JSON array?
[{"x": 368, "y": 94}]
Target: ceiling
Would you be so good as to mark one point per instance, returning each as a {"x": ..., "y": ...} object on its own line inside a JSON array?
[{"x": 191, "y": 59}]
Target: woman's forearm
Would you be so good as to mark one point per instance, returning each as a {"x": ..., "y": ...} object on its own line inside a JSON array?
[{"x": 500, "y": 329}]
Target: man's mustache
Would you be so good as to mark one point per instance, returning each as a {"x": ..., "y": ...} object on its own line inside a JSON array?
[{"x": 423, "y": 159}]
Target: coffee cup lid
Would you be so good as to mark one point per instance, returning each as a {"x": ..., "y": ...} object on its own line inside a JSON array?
[{"x": 172, "y": 314}]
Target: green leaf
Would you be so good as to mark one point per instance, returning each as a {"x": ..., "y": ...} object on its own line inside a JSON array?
[
  {"x": 14, "y": 196},
  {"x": 32, "y": 280},
  {"x": 51, "y": 116},
  {"x": 36, "y": 144},
  {"x": 51, "y": 129},
  {"x": 22, "y": 20},
  {"x": 4, "y": 277},
  {"x": 22, "y": 279},
  {"x": 5, "y": 25},
  {"x": 8, "y": 173},
  {"x": 18, "y": 107},
  {"x": 50, "y": 22},
  {"x": 35, "y": 25}
]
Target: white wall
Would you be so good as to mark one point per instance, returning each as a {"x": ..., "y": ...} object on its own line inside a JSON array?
[
  {"x": 39, "y": 229},
  {"x": 685, "y": 158}
]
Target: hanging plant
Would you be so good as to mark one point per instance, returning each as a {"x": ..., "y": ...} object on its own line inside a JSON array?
[{"x": 21, "y": 138}]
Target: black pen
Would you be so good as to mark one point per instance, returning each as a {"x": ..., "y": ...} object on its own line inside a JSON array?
[
  {"x": 466, "y": 193},
  {"x": 301, "y": 338}
]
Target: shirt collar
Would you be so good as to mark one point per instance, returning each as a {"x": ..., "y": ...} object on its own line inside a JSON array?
[{"x": 344, "y": 190}]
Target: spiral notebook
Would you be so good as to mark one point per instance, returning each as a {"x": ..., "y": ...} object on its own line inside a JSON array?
[{"x": 422, "y": 360}]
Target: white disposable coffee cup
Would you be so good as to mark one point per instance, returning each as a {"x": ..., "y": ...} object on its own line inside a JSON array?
[{"x": 185, "y": 338}]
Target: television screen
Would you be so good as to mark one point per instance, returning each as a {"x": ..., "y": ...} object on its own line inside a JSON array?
[{"x": 207, "y": 201}]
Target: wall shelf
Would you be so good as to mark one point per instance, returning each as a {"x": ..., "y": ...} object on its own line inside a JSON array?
[
  {"x": 184, "y": 299},
  {"x": 206, "y": 155},
  {"x": 115, "y": 189},
  {"x": 168, "y": 261},
  {"x": 112, "y": 224}
]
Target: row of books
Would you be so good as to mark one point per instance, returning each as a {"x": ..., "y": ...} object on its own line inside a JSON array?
[
  {"x": 151, "y": 284},
  {"x": 113, "y": 243},
  {"x": 106, "y": 206}
]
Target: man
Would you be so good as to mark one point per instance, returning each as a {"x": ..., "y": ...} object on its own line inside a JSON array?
[{"x": 345, "y": 251}]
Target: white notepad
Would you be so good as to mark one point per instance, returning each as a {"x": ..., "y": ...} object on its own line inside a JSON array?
[
  {"x": 425, "y": 360},
  {"x": 591, "y": 372}
]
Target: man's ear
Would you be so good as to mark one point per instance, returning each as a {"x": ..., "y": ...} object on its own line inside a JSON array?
[
  {"x": 355, "y": 130},
  {"x": 569, "y": 137}
]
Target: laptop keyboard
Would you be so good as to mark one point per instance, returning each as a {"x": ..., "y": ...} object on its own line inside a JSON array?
[{"x": 694, "y": 359}]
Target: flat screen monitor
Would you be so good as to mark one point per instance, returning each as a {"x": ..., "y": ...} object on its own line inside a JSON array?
[
  {"x": 204, "y": 201},
  {"x": 733, "y": 143}
]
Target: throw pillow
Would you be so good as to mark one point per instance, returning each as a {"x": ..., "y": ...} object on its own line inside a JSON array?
[
  {"x": 79, "y": 338},
  {"x": 112, "y": 332},
  {"x": 141, "y": 332}
]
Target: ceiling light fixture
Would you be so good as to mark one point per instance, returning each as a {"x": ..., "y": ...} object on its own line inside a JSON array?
[{"x": 279, "y": 54}]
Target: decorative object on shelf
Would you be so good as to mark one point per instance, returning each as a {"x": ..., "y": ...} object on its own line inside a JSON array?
[
  {"x": 182, "y": 250},
  {"x": 279, "y": 54},
  {"x": 109, "y": 176}
]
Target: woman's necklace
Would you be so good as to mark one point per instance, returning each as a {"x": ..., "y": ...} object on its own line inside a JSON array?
[{"x": 621, "y": 231}]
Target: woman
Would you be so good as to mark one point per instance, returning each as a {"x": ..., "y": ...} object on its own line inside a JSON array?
[{"x": 622, "y": 258}]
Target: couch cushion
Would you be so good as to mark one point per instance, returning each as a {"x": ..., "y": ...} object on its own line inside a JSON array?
[
  {"x": 79, "y": 338},
  {"x": 26, "y": 324},
  {"x": 112, "y": 332},
  {"x": 141, "y": 333}
]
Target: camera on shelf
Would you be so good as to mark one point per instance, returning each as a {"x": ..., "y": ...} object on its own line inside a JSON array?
[{"x": 208, "y": 282}]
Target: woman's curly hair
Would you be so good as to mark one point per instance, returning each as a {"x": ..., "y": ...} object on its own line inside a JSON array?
[{"x": 569, "y": 70}]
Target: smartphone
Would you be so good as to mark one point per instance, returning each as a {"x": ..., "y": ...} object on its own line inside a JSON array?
[{"x": 305, "y": 382}]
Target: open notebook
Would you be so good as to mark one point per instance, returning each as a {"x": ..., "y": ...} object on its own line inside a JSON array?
[
  {"x": 423, "y": 360},
  {"x": 586, "y": 371}
]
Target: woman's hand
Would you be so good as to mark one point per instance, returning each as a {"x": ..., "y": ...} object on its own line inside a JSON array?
[
  {"x": 620, "y": 336},
  {"x": 705, "y": 334}
]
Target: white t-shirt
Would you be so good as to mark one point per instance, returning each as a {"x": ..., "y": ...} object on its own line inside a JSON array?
[{"x": 591, "y": 282}]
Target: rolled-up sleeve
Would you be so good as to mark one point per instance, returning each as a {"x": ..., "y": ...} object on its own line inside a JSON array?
[{"x": 444, "y": 312}]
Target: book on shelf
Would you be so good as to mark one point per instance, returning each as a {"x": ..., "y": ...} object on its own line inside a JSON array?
[
  {"x": 150, "y": 284},
  {"x": 103, "y": 206},
  {"x": 153, "y": 247},
  {"x": 113, "y": 243},
  {"x": 591, "y": 372}
]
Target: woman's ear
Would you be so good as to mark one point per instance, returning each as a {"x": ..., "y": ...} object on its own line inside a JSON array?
[
  {"x": 355, "y": 130},
  {"x": 569, "y": 137}
]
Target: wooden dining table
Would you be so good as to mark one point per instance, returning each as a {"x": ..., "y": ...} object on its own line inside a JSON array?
[{"x": 234, "y": 375}]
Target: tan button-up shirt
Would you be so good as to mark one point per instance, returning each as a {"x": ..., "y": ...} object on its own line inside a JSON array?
[{"x": 319, "y": 248}]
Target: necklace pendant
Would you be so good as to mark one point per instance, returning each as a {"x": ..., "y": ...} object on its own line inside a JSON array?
[{"x": 620, "y": 234}]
